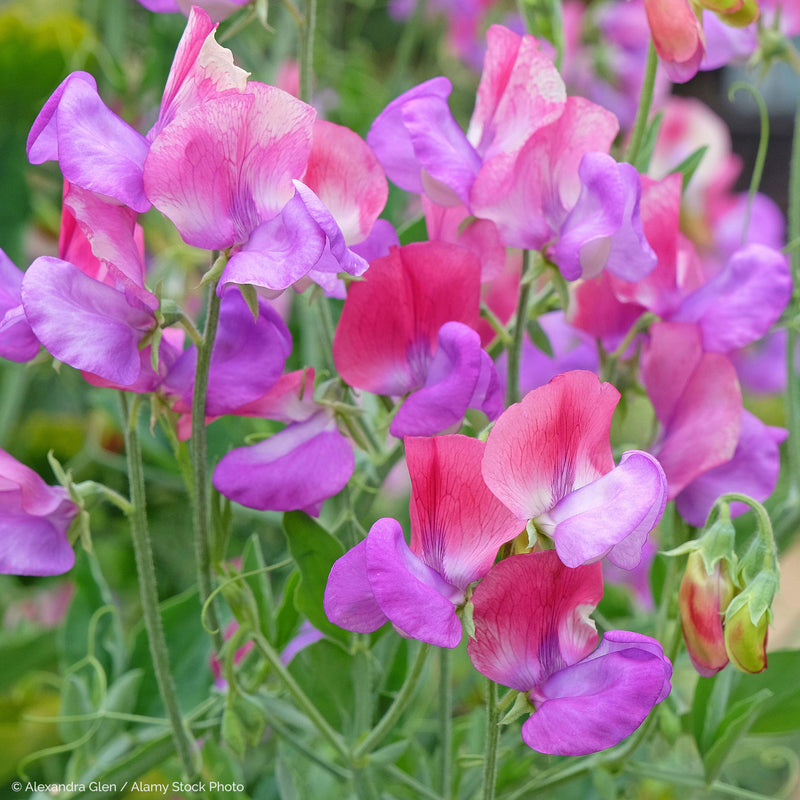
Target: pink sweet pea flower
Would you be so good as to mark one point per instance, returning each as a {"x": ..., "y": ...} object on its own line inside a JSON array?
[
  {"x": 532, "y": 634},
  {"x": 457, "y": 527},
  {"x": 216, "y": 9},
  {"x": 678, "y": 37},
  {"x": 34, "y": 519},
  {"x": 549, "y": 460},
  {"x": 408, "y": 328}
]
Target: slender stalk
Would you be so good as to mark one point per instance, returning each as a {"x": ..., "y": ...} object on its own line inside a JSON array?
[
  {"x": 201, "y": 509},
  {"x": 695, "y": 782},
  {"x": 307, "y": 51},
  {"x": 515, "y": 351},
  {"x": 492, "y": 741},
  {"x": 392, "y": 715},
  {"x": 446, "y": 722},
  {"x": 412, "y": 783},
  {"x": 645, "y": 103},
  {"x": 299, "y": 696},
  {"x": 148, "y": 590},
  {"x": 793, "y": 393}
]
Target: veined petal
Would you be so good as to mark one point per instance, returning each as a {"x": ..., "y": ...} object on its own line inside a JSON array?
[
  {"x": 610, "y": 516},
  {"x": 530, "y": 614},
  {"x": 597, "y": 702},
  {"x": 34, "y": 546},
  {"x": 223, "y": 167},
  {"x": 554, "y": 442},
  {"x": 457, "y": 524},
  {"x": 17, "y": 340},
  {"x": 414, "y": 597},
  {"x": 349, "y": 601},
  {"x": 84, "y": 323}
]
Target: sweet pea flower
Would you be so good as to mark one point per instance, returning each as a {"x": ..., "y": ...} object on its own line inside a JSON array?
[
  {"x": 216, "y": 9},
  {"x": 533, "y": 161},
  {"x": 457, "y": 527},
  {"x": 408, "y": 328},
  {"x": 532, "y": 633},
  {"x": 297, "y": 468},
  {"x": 549, "y": 460},
  {"x": 34, "y": 519}
]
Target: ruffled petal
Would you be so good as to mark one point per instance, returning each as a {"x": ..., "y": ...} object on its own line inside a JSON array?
[
  {"x": 17, "y": 340},
  {"x": 554, "y": 442},
  {"x": 610, "y": 516},
  {"x": 415, "y": 598}
]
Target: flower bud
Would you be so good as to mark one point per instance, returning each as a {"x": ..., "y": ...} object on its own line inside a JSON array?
[
  {"x": 749, "y": 12},
  {"x": 746, "y": 642},
  {"x": 703, "y": 598}
]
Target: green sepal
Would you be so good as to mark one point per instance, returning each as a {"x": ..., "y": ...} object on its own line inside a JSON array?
[{"x": 521, "y": 707}]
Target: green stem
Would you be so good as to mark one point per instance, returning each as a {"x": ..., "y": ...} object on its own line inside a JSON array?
[
  {"x": 307, "y": 51},
  {"x": 412, "y": 783},
  {"x": 299, "y": 696},
  {"x": 645, "y": 103},
  {"x": 446, "y": 722},
  {"x": 761, "y": 156},
  {"x": 392, "y": 715},
  {"x": 515, "y": 351},
  {"x": 492, "y": 741},
  {"x": 148, "y": 590},
  {"x": 201, "y": 509},
  {"x": 15, "y": 386},
  {"x": 641, "y": 324},
  {"x": 793, "y": 393}
]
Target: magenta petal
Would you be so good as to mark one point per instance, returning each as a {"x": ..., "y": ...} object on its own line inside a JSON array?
[
  {"x": 597, "y": 702},
  {"x": 741, "y": 303},
  {"x": 753, "y": 470},
  {"x": 349, "y": 601},
  {"x": 297, "y": 468},
  {"x": 279, "y": 252},
  {"x": 530, "y": 615},
  {"x": 391, "y": 142},
  {"x": 83, "y": 322},
  {"x": 553, "y": 442},
  {"x": 449, "y": 387},
  {"x": 96, "y": 150},
  {"x": 610, "y": 516},
  {"x": 413, "y": 596},
  {"x": 457, "y": 524},
  {"x": 391, "y": 320},
  {"x": 604, "y": 228}
]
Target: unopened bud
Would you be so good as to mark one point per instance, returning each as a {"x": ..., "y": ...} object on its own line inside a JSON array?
[
  {"x": 745, "y": 641},
  {"x": 703, "y": 598}
]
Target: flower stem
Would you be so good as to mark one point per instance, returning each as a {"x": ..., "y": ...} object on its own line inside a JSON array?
[
  {"x": 446, "y": 722},
  {"x": 201, "y": 510},
  {"x": 394, "y": 711},
  {"x": 645, "y": 103},
  {"x": 515, "y": 351},
  {"x": 148, "y": 590},
  {"x": 492, "y": 741},
  {"x": 307, "y": 51}
]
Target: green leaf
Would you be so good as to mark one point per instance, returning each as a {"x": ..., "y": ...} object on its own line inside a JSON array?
[
  {"x": 781, "y": 713},
  {"x": 389, "y": 754},
  {"x": 658, "y": 574},
  {"x": 287, "y": 618},
  {"x": 314, "y": 550},
  {"x": 689, "y": 165},
  {"x": 415, "y": 231},
  {"x": 539, "y": 337}
]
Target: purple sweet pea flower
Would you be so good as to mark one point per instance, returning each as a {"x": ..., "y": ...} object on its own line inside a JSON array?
[
  {"x": 457, "y": 526},
  {"x": 216, "y": 9},
  {"x": 532, "y": 634},
  {"x": 34, "y": 519}
]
